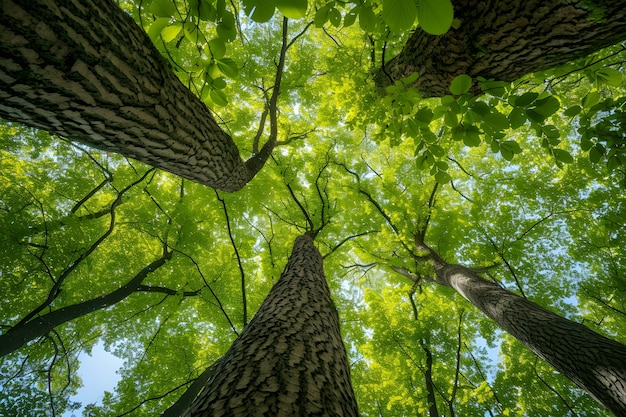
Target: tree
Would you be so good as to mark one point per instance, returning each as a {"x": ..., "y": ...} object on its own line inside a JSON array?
[
  {"x": 91, "y": 74},
  {"x": 290, "y": 359},
  {"x": 591, "y": 360},
  {"x": 503, "y": 42},
  {"x": 557, "y": 231}
]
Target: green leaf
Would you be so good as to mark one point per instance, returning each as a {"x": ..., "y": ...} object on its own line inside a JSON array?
[
  {"x": 170, "y": 33},
  {"x": 212, "y": 70},
  {"x": 350, "y": 17},
  {"x": 525, "y": 99},
  {"x": 614, "y": 162},
  {"x": 591, "y": 99},
  {"x": 435, "y": 16},
  {"x": 442, "y": 177},
  {"x": 218, "y": 97},
  {"x": 512, "y": 146},
  {"x": 260, "y": 10},
  {"x": 562, "y": 156},
  {"x": 461, "y": 84},
  {"x": 572, "y": 111},
  {"x": 163, "y": 8},
  {"x": 471, "y": 136},
  {"x": 228, "y": 67},
  {"x": 496, "y": 120},
  {"x": 335, "y": 17},
  {"x": 450, "y": 119},
  {"x": 321, "y": 15},
  {"x": 596, "y": 153},
  {"x": 367, "y": 19},
  {"x": 609, "y": 76},
  {"x": 292, "y": 9},
  {"x": 517, "y": 117},
  {"x": 410, "y": 79},
  {"x": 423, "y": 116},
  {"x": 207, "y": 11},
  {"x": 217, "y": 48},
  {"x": 155, "y": 29},
  {"x": 437, "y": 150},
  {"x": 399, "y": 14},
  {"x": 551, "y": 131},
  {"x": 506, "y": 153},
  {"x": 547, "y": 106}
]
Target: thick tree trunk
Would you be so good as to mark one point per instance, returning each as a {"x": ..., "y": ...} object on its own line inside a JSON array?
[
  {"x": 84, "y": 70},
  {"x": 595, "y": 363},
  {"x": 290, "y": 359},
  {"x": 504, "y": 40},
  {"x": 24, "y": 332}
]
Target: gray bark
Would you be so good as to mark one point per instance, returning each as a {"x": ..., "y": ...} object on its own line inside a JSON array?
[
  {"x": 595, "y": 363},
  {"x": 290, "y": 359},
  {"x": 84, "y": 70},
  {"x": 504, "y": 40}
]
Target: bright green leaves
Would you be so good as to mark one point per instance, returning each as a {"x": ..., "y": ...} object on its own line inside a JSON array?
[
  {"x": 177, "y": 30},
  {"x": 263, "y": 10},
  {"x": 162, "y": 8},
  {"x": 155, "y": 29},
  {"x": 216, "y": 48},
  {"x": 435, "y": 16},
  {"x": 399, "y": 14},
  {"x": 293, "y": 9},
  {"x": 171, "y": 32},
  {"x": 508, "y": 149},
  {"x": 367, "y": 19},
  {"x": 609, "y": 76},
  {"x": 602, "y": 126},
  {"x": 330, "y": 13}
]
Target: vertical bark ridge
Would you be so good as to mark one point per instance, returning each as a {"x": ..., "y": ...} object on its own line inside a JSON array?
[
  {"x": 504, "y": 40},
  {"x": 84, "y": 70},
  {"x": 290, "y": 359},
  {"x": 595, "y": 363}
]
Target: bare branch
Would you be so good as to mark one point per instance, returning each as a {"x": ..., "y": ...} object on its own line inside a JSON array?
[{"x": 242, "y": 273}]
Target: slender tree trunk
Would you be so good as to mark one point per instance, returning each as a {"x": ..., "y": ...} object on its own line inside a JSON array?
[
  {"x": 595, "y": 363},
  {"x": 504, "y": 40},
  {"x": 84, "y": 70},
  {"x": 428, "y": 376},
  {"x": 290, "y": 359},
  {"x": 22, "y": 333}
]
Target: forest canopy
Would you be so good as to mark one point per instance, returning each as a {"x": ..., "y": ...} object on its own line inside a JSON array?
[{"x": 327, "y": 128}]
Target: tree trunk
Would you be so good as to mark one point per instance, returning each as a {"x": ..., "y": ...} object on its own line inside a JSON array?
[
  {"x": 22, "y": 333},
  {"x": 290, "y": 359},
  {"x": 84, "y": 70},
  {"x": 504, "y": 40},
  {"x": 595, "y": 363}
]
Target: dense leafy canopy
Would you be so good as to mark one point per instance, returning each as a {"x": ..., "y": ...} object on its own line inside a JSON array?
[{"x": 528, "y": 178}]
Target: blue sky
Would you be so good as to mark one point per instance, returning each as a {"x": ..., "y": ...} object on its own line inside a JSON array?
[{"x": 99, "y": 374}]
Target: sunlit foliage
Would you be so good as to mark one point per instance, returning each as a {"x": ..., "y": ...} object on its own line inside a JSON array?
[{"x": 529, "y": 181}]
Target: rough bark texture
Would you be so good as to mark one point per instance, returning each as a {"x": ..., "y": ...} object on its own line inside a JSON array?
[
  {"x": 504, "y": 40},
  {"x": 84, "y": 70},
  {"x": 595, "y": 363},
  {"x": 290, "y": 359}
]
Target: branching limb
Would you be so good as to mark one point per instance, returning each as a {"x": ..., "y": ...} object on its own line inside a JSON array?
[
  {"x": 56, "y": 288},
  {"x": 551, "y": 388},
  {"x": 500, "y": 253},
  {"x": 206, "y": 283},
  {"x": 347, "y": 239},
  {"x": 242, "y": 272}
]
